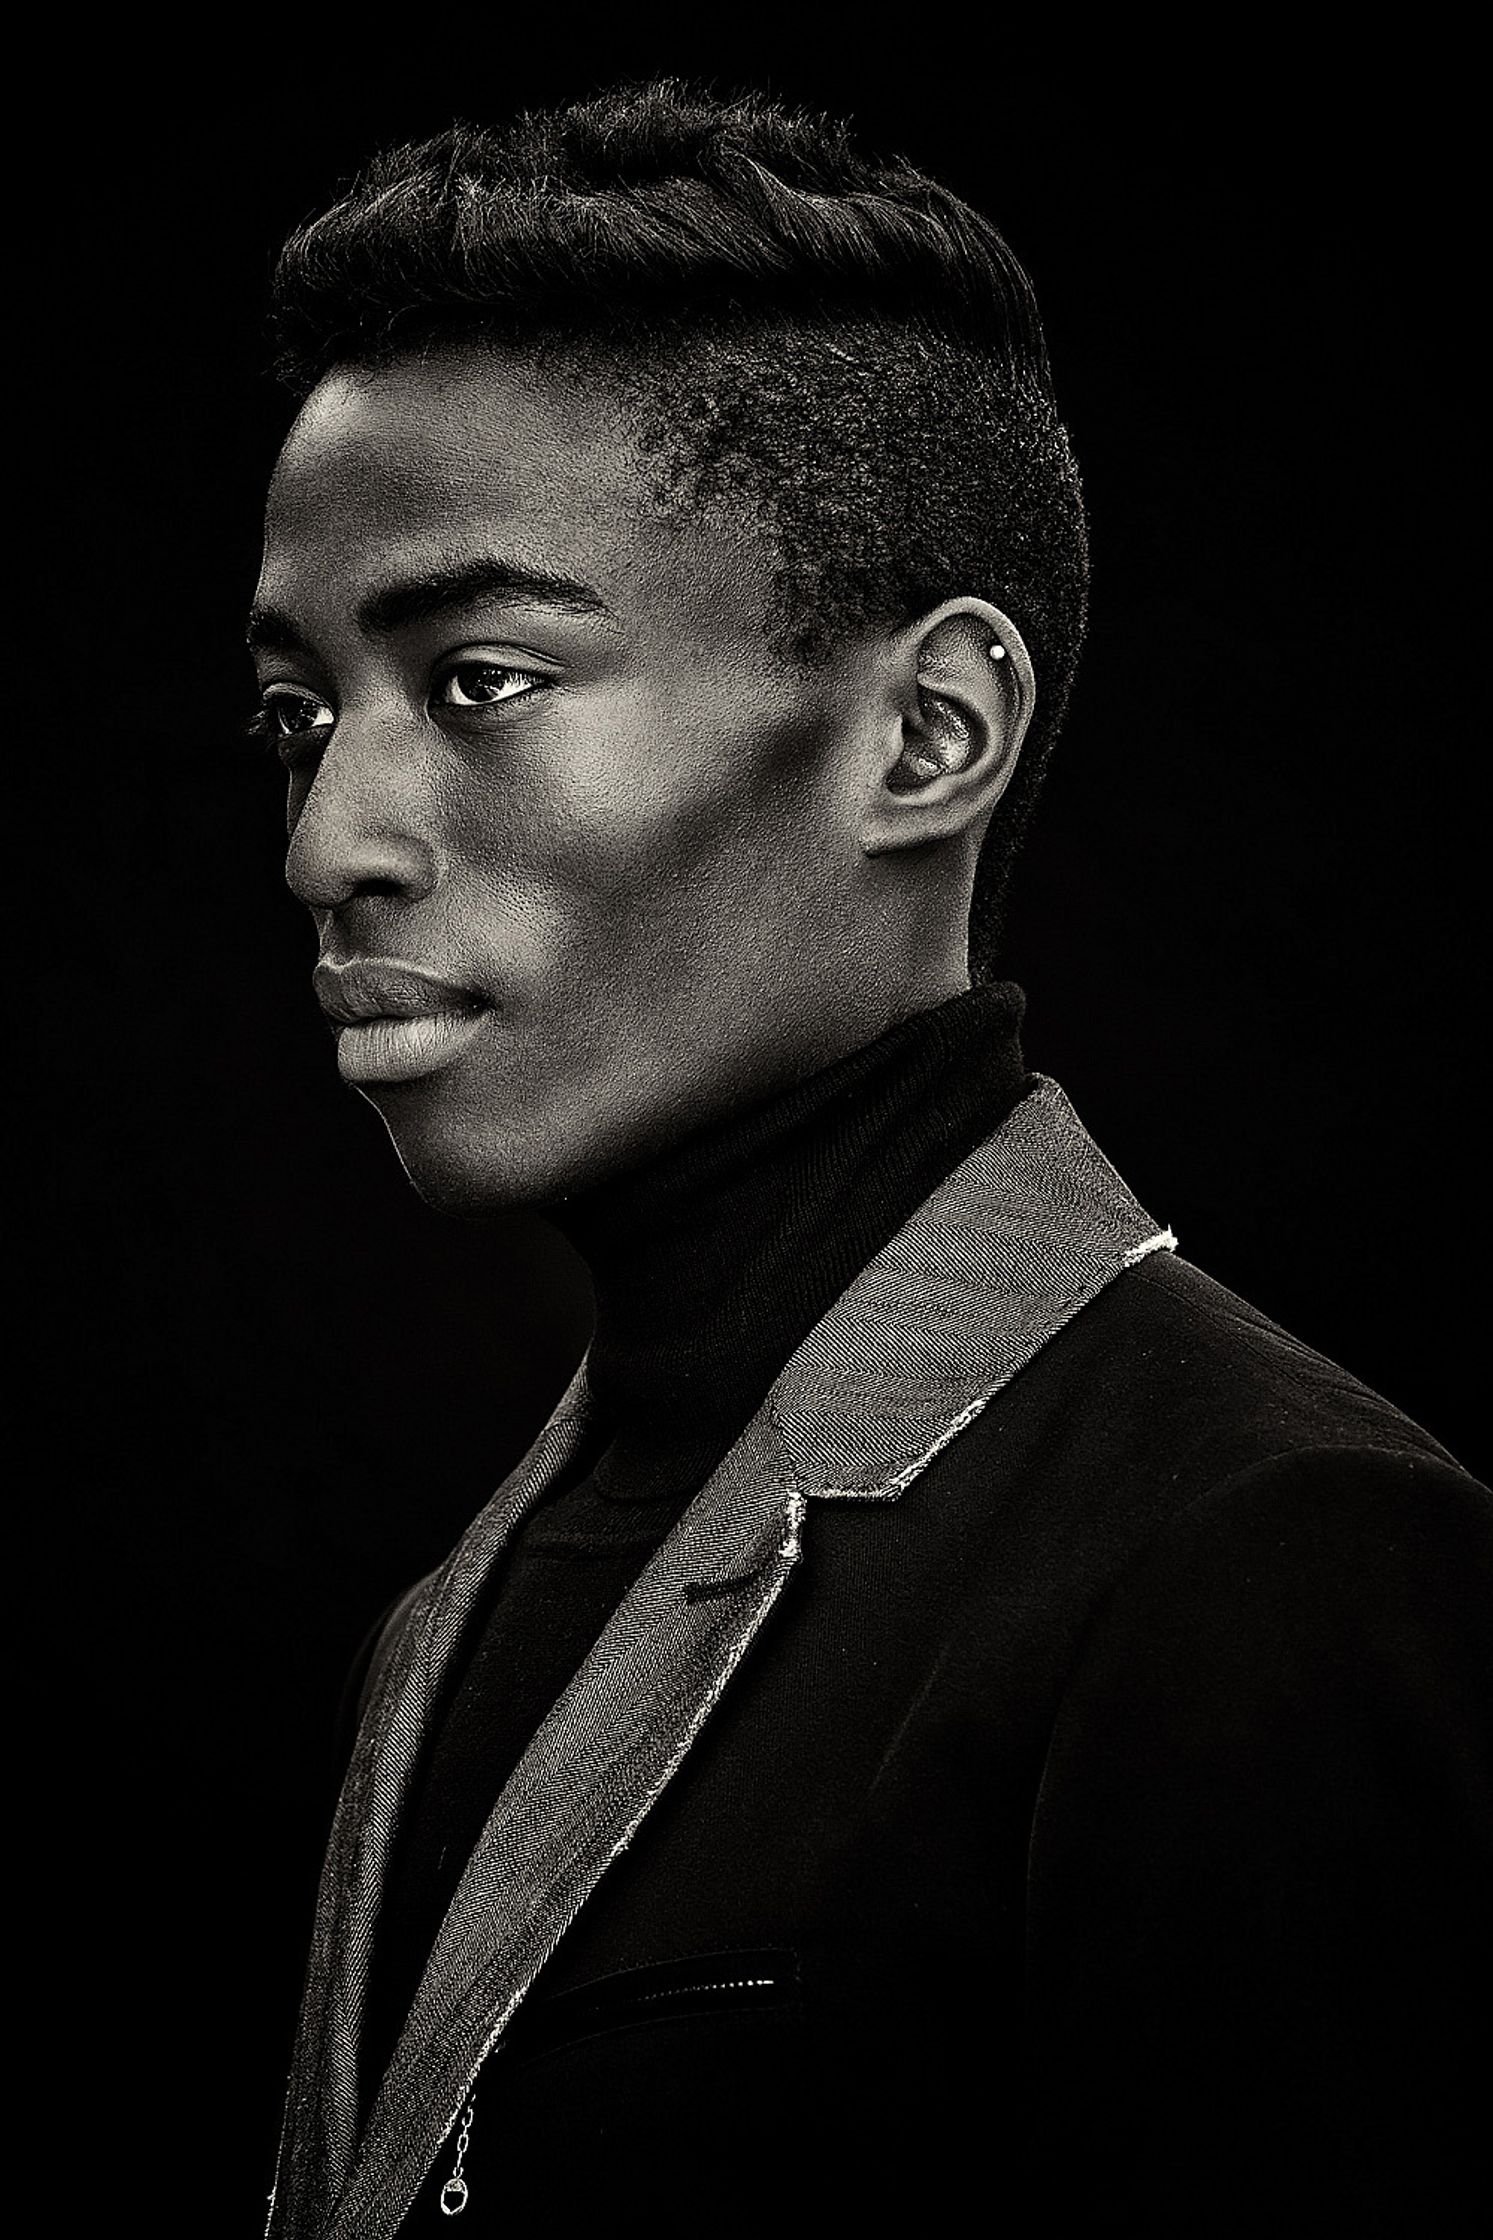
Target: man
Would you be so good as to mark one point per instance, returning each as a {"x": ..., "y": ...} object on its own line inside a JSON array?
[{"x": 957, "y": 1716}]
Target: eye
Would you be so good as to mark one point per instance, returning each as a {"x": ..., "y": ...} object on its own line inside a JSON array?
[
  {"x": 292, "y": 719},
  {"x": 485, "y": 684}
]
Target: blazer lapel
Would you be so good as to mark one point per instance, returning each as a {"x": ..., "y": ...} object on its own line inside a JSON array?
[
  {"x": 573, "y": 1802},
  {"x": 1009, "y": 1248},
  {"x": 321, "y": 2118}
]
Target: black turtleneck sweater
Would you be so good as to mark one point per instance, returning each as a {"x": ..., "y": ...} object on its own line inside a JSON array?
[{"x": 709, "y": 1265}]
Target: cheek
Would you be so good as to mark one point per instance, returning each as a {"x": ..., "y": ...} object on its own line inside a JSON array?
[{"x": 647, "y": 837}]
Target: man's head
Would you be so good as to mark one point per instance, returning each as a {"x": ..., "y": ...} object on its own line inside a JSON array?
[{"x": 673, "y": 577}]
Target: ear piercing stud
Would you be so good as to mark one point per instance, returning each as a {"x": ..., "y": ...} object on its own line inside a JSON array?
[{"x": 997, "y": 651}]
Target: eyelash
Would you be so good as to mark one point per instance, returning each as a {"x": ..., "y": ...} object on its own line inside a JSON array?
[{"x": 260, "y": 726}]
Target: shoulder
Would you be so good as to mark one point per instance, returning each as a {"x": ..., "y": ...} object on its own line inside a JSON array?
[
  {"x": 1169, "y": 1374},
  {"x": 1288, "y": 1668},
  {"x": 1289, "y": 1684},
  {"x": 1172, "y": 1459},
  {"x": 1322, "y": 1573}
]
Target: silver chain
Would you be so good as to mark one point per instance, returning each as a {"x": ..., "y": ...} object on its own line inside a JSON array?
[{"x": 455, "y": 2193}]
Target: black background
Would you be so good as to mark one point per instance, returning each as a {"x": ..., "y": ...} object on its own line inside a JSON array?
[{"x": 275, "y": 1386}]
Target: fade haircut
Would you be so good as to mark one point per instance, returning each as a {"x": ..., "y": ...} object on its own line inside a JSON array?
[{"x": 836, "y": 341}]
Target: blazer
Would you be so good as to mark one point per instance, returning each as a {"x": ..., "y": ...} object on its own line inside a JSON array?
[{"x": 1043, "y": 1773}]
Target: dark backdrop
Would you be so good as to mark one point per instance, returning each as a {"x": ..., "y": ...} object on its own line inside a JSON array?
[{"x": 277, "y": 1386}]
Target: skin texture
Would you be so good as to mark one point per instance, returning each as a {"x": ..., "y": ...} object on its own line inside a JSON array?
[{"x": 676, "y": 871}]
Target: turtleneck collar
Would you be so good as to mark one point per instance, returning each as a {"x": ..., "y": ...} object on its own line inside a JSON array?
[{"x": 712, "y": 1262}]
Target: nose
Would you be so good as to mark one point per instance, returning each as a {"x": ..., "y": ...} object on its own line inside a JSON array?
[{"x": 359, "y": 829}]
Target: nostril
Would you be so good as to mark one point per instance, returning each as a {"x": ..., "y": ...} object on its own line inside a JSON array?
[{"x": 341, "y": 850}]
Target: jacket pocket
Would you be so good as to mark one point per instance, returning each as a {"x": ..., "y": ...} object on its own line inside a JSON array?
[{"x": 707, "y": 1983}]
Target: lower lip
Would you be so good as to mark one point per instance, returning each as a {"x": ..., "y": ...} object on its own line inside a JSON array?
[{"x": 405, "y": 1049}]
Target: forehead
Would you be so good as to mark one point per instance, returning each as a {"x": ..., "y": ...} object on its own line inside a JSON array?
[{"x": 473, "y": 454}]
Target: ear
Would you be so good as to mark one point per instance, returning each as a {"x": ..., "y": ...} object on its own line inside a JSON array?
[{"x": 963, "y": 694}]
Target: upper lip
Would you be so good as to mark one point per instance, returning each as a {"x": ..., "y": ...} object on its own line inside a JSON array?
[{"x": 386, "y": 988}]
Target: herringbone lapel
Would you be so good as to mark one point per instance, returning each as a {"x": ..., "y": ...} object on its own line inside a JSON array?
[
  {"x": 573, "y": 1802},
  {"x": 321, "y": 2117}
]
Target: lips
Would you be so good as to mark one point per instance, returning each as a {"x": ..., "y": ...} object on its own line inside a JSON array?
[
  {"x": 382, "y": 988},
  {"x": 396, "y": 1022}
]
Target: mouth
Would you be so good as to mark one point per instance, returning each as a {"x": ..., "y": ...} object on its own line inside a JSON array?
[{"x": 395, "y": 1021}]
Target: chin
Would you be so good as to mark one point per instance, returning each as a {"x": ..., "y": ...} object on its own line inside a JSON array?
[
  {"x": 463, "y": 1165},
  {"x": 457, "y": 1177},
  {"x": 474, "y": 1145}
]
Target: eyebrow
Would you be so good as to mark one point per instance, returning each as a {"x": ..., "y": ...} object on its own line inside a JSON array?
[{"x": 396, "y": 606}]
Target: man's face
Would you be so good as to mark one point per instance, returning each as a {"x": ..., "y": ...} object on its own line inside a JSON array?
[{"x": 583, "y": 861}]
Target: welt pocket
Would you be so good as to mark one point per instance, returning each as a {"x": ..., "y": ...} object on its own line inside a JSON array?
[{"x": 741, "y": 1982}]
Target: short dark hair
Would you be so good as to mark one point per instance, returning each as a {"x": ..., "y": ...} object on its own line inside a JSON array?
[{"x": 837, "y": 339}]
